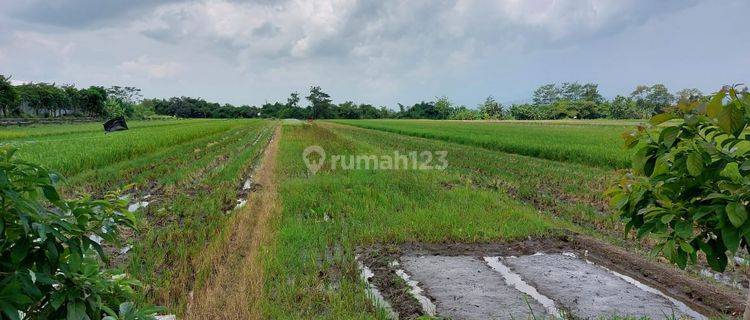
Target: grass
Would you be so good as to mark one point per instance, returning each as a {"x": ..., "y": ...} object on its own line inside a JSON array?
[
  {"x": 291, "y": 252},
  {"x": 40, "y": 130},
  {"x": 75, "y": 151},
  {"x": 311, "y": 269},
  {"x": 597, "y": 145},
  {"x": 192, "y": 170}
]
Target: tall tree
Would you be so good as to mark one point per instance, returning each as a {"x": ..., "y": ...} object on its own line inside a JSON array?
[
  {"x": 590, "y": 92},
  {"x": 546, "y": 94},
  {"x": 689, "y": 95},
  {"x": 93, "y": 100},
  {"x": 443, "y": 108},
  {"x": 130, "y": 95},
  {"x": 623, "y": 108},
  {"x": 320, "y": 103},
  {"x": 652, "y": 99},
  {"x": 8, "y": 97},
  {"x": 491, "y": 109}
]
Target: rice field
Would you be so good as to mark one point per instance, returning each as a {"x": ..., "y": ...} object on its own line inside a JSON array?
[
  {"x": 234, "y": 225},
  {"x": 595, "y": 144}
]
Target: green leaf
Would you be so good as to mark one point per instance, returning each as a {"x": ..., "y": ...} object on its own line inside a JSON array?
[
  {"x": 667, "y": 218},
  {"x": 683, "y": 229},
  {"x": 661, "y": 118},
  {"x": 9, "y": 311},
  {"x": 57, "y": 299},
  {"x": 51, "y": 194},
  {"x": 694, "y": 164},
  {"x": 643, "y": 161},
  {"x": 76, "y": 310},
  {"x": 745, "y": 165},
  {"x": 715, "y": 255},
  {"x": 714, "y": 106},
  {"x": 737, "y": 213},
  {"x": 731, "y": 238},
  {"x": 686, "y": 247},
  {"x": 731, "y": 120},
  {"x": 668, "y": 135},
  {"x": 19, "y": 251}
]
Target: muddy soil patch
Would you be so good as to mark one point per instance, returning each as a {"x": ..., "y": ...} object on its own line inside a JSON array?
[{"x": 705, "y": 298}]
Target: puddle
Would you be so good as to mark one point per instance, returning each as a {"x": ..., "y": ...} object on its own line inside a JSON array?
[
  {"x": 536, "y": 278},
  {"x": 373, "y": 292},
  {"x": 567, "y": 277},
  {"x": 589, "y": 290},
  {"x": 465, "y": 287},
  {"x": 427, "y": 306},
  {"x": 514, "y": 280},
  {"x": 680, "y": 306}
]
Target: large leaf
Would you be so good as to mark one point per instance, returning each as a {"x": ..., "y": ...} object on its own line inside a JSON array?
[
  {"x": 661, "y": 118},
  {"x": 714, "y": 106},
  {"x": 683, "y": 229},
  {"x": 668, "y": 135},
  {"x": 737, "y": 213},
  {"x": 731, "y": 120},
  {"x": 76, "y": 310},
  {"x": 694, "y": 164},
  {"x": 731, "y": 238}
]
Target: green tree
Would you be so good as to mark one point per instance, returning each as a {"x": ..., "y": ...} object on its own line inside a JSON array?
[
  {"x": 690, "y": 184},
  {"x": 320, "y": 103},
  {"x": 348, "y": 110},
  {"x": 623, "y": 108},
  {"x": 653, "y": 99},
  {"x": 74, "y": 98},
  {"x": 546, "y": 94},
  {"x": 491, "y": 109},
  {"x": 464, "y": 113},
  {"x": 443, "y": 108},
  {"x": 129, "y": 95},
  {"x": 8, "y": 97},
  {"x": 93, "y": 100},
  {"x": 689, "y": 95}
]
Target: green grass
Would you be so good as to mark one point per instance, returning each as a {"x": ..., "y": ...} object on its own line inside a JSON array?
[
  {"x": 597, "y": 145},
  {"x": 493, "y": 190},
  {"x": 38, "y": 130},
  {"x": 76, "y": 150},
  {"x": 192, "y": 169},
  {"x": 311, "y": 269}
]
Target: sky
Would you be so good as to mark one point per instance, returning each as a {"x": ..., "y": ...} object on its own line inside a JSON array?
[{"x": 379, "y": 52}]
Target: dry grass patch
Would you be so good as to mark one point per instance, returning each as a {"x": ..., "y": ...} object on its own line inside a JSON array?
[{"x": 234, "y": 287}]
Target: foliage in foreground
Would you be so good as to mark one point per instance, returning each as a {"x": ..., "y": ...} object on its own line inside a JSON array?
[
  {"x": 691, "y": 182},
  {"x": 50, "y": 262}
]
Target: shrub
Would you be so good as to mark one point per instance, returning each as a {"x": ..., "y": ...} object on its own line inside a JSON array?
[
  {"x": 690, "y": 184},
  {"x": 50, "y": 266}
]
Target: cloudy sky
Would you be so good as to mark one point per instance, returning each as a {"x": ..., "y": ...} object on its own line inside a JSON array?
[{"x": 381, "y": 52}]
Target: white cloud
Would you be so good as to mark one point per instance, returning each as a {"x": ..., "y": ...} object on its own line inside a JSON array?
[
  {"x": 142, "y": 66},
  {"x": 25, "y": 40}
]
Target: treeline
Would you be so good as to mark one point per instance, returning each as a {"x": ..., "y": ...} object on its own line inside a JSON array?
[
  {"x": 551, "y": 101},
  {"x": 50, "y": 100},
  {"x": 570, "y": 100}
]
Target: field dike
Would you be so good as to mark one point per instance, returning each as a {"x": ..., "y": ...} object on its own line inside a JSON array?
[
  {"x": 235, "y": 283},
  {"x": 565, "y": 277}
]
